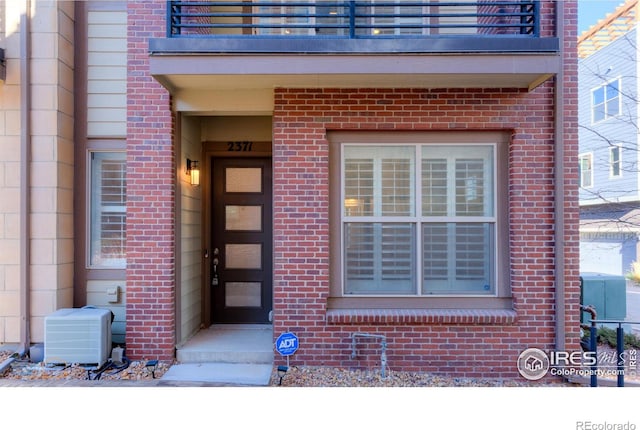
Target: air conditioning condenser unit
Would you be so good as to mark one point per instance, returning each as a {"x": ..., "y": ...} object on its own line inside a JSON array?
[{"x": 77, "y": 336}]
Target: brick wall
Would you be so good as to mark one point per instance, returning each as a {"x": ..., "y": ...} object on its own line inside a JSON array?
[
  {"x": 151, "y": 181},
  {"x": 302, "y": 118},
  {"x": 570, "y": 131},
  {"x": 301, "y": 220}
]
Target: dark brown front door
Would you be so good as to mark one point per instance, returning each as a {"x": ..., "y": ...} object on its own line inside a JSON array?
[{"x": 241, "y": 272}]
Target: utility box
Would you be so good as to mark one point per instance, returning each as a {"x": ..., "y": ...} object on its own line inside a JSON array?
[
  {"x": 606, "y": 293},
  {"x": 81, "y": 336}
]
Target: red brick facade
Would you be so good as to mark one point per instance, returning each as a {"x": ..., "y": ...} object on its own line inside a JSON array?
[
  {"x": 464, "y": 345},
  {"x": 151, "y": 181}
]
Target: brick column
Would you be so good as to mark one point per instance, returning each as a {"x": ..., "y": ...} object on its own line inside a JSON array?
[
  {"x": 571, "y": 239},
  {"x": 151, "y": 178}
]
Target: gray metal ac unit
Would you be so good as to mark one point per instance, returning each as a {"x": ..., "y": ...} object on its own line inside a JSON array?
[{"x": 77, "y": 335}]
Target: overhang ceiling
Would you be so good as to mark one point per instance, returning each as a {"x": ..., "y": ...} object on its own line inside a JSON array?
[{"x": 190, "y": 77}]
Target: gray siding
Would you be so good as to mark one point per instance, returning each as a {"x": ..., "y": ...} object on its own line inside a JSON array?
[
  {"x": 107, "y": 74},
  {"x": 607, "y": 253},
  {"x": 617, "y": 60}
]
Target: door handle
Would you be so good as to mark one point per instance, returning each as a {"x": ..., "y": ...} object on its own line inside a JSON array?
[{"x": 214, "y": 276}]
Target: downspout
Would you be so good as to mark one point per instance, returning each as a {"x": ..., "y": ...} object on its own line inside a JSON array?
[
  {"x": 559, "y": 211},
  {"x": 25, "y": 179}
]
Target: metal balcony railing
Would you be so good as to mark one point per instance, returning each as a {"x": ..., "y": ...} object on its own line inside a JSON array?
[{"x": 352, "y": 19}]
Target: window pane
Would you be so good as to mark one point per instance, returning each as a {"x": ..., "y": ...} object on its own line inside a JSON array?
[
  {"x": 331, "y": 20},
  {"x": 605, "y": 101},
  {"x": 359, "y": 254},
  {"x": 108, "y": 209},
  {"x": 458, "y": 258},
  {"x": 243, "y": 218},
  {"x": 358, "y": 187},
  {"x": 243, "y": 180},
  {"x": 396, "y": 187},
  {"x": 470, "y": 187},
  {"x": 598, "y": 113},
  {"x": 472, "y": 248},
  {"x": 379, "y": 258},
  {"x": 598, "y": 96},
  {"x": 379, "y": 181},
  {"x": 243, "y": 294},
  {"x": 397, "y": 20},
  {"x": 614, "y": 155},
  {"x": 457, "y": 180},
  {"x": 284, "y": 20},
  {"x": 243, "y": 256},
  {"x": 434, "y": 187},
  {"x": 613, "y": 107},
  {"x": 612, "y": 90},
  {"x": 435, "y": 246},
  {"x": 585, "y": 170}
]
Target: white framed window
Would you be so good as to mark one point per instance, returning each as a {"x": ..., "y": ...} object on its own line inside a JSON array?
[
  {"x": 586, "y": 170},
  {"x": 382, "y": 18},
  {"x": 107, "y": 220},
  {"x": 418, "y": 219},
  {"x": 296, "y": 20},
  {"x": 606, "y": 101},
  {"x": 615, "y": 161},
  {"x": 398, "y": 20}
]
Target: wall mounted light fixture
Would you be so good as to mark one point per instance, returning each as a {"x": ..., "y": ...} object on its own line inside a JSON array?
[{"x": 193, "y": 171}]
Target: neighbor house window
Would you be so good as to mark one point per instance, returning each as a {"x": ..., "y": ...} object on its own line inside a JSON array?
[
  {"x": 418, "y": 219},
  {"x": 108, "y": 209},
  {"x": 586, "y": 170},
  {"x": 615, "y": 153},
  {"x": 605, "y": 101}
]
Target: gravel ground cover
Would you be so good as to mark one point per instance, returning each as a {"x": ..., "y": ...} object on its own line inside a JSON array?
[
  {"x": 333, "y": 377},
  {"x": 296, "y": 376},
  {"x": 23, "y": 369}
]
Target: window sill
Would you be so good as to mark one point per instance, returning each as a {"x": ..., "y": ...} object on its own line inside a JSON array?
[{"x": 422, "y": 316}]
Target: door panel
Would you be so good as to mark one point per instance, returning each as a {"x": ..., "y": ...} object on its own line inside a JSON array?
[{"x": 241, "y": 276}]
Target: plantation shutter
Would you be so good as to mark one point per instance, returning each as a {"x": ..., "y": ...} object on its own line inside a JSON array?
[
  {"x": 108, "y": 209},
  {"x": 379, "y": 255},
  {"x": 456, "y": 255},
  {"x": 450, "y": 241}
]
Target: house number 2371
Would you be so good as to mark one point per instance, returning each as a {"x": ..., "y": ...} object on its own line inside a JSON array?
[{"x": 239, "y": 146}]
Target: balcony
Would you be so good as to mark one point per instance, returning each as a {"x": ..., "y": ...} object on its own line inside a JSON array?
[{"x": 259, "y": 45}]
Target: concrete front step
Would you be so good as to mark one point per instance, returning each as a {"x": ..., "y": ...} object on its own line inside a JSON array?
[
  {"x": 238, "y": 357},
  {"x": 239, "y": 344},
  {"x": 219, "y": 374}
]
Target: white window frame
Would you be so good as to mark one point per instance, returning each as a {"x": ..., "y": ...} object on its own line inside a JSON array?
[
  {"x": 615, "y": 163},
  {"x": 92, "y": 230},
  {"x": 589, "y": 156},
  {"x": 605, "y": 103},
  {"x": 418, "y": 220}
]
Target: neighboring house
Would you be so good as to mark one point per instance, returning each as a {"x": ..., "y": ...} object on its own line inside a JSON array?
[
  {"x": 404, "y": 170},
  {"x": 608, "y": 159}
]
